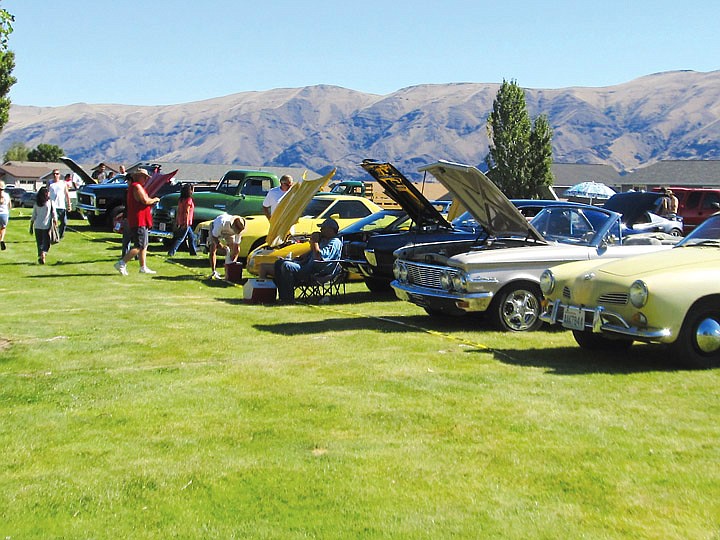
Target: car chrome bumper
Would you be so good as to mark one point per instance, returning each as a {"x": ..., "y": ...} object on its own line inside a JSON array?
[
  {"x": 160, "y": 234},
  {"x": 88, "y": 209},
  {"x": 599, "y": 320},
  {"x": 435, "y": 298}
]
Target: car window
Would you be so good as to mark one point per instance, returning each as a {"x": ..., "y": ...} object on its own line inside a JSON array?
[
  {"x": 567, "y": 224},
  {"x": 349, "y": 210},
  {"x": 256, "y": 185},
  {"x": 710, "y": 200},
  {"x": 693, "y": 200},
  {"x": 316, "y": 207},
  {"x": 230, "y": 185}
]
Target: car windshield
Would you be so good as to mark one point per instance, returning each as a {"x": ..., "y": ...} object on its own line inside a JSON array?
[
  {"x": 571, "y": 225},
  {"x": 466, "y": 222},
  {"x": 390, "y": 220},
  {"x": 705, "y": 234}
]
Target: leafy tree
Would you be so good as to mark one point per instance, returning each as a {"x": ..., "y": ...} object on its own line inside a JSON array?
[
  {"x": 7, "y": 64},
  {"x": 17, "y": 152},
  {"x": 46, "y": 152},
  {"x": 520, "y": 153}
]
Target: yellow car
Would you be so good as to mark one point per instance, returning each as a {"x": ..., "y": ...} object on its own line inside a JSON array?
[
  {"x": 670, "y": 297},
  {"x": 300, "y": 212}
]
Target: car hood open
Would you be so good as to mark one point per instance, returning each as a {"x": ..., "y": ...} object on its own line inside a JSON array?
[
  {"x": 290, "y": 207},
  {"x": 632, "y": 205},
  {"x": 77, "y": 169},
  {"x": 403, "y": 192},
  {"x": 483, "y": 199}
]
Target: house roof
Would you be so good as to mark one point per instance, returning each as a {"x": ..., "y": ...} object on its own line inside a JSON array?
[
  {"x": 569, "y": 174},
  {"x": 677, "y": 172}
]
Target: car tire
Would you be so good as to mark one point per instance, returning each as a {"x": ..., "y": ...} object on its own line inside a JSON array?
[
  {"x": 597, "y": 342},
  {"x": 377, "y": 285},
  {"x": 698, "y": 343},
  {"x": 516, "y": 308},
  {"x": 114, "y": 214},
  {"x": 96, "y": 221},
  {"x": 675, "y": 232}
]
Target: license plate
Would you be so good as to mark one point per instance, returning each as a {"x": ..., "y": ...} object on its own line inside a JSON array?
[
  {"x": 574, "y": 318},
  {"x": 161, "y": 226}
]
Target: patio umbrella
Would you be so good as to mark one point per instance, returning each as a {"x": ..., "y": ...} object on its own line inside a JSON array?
[{"x": 590, "y": 190}]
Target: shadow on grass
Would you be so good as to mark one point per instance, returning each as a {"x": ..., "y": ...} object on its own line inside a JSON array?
[{"x": 576, "y": 361}]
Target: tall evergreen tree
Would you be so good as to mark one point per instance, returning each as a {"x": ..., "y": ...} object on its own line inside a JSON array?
[{"x": 520, "y": 153}]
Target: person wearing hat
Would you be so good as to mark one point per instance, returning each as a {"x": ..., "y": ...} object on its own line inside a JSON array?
[
  {"x": 325, "y": 250},
  {"x": 138, "y": 212},
  {"x": 225, "y": 229},
  {"x": 5, "y": 205}
]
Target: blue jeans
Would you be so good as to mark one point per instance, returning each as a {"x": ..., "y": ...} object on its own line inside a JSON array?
[
  {"x": 62, "y": 220},
  {"x": 42, "y": 239},
  {"x": 286, "y": 275},
  {"x": 179, "y": 237}
]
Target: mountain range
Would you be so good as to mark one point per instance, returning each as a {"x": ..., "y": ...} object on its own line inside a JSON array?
[{"x": 670, "y": 115}]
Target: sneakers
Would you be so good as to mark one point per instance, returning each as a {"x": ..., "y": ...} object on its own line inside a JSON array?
[
  {"x": 215, "y": 275},
  {"x": 120, "y": 267},
  {"x": 146, "y": 270}
]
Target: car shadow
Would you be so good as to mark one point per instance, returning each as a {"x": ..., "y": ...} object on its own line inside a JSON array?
[{"x": 640, "y": 358}]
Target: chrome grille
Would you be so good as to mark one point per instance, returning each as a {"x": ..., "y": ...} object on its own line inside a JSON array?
[
  {"x": 619, "y": 299},
  {"x": 425, "y": 276}
]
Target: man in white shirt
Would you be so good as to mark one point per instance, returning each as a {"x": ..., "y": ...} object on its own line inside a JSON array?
[
  {"x": 225, "y": 229},
  {"x": 274, "y": 196},
  {"x": 60, "y": 198}
]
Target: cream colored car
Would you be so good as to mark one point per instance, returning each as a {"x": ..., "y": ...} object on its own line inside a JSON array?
[{"x": 670, "y": 297}]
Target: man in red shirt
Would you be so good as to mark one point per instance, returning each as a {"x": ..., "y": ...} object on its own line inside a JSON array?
[{"x": 138, "y": 211}]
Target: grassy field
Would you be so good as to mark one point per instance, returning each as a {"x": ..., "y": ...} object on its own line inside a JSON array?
[{"x": 164, "y": 406}]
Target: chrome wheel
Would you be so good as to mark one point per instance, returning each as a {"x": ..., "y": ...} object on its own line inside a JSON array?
[{"x": 517, "y": 308}]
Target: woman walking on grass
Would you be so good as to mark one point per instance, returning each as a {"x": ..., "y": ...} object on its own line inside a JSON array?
[
  {"x": 5, "y": 205},
  {"x": 43, "y": 217},
  {"x": 184, "y": 221}
]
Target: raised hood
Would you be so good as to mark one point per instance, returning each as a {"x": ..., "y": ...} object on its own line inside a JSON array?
[
  {"x": 77, "y": 169},
  {"x": 402, "y": 191},
  {"x": 290, "y": 207},
  {"x": 483, "y": 199}
]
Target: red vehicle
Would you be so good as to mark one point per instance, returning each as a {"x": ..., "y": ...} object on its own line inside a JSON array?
[{"x": 696, "y": 204}]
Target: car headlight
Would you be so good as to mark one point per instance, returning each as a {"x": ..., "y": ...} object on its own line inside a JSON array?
[
  {"x": 638, "y": 293},
  {"x": 547, "y": 282},
  {"x": 172, "y": 213},
  {"x": 400, "y": 271},
  {"x": 459, "y": 282},
  {"x": 446, "y": 281}
]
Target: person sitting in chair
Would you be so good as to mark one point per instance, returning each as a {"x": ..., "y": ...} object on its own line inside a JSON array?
[{"x": 324, "y": 247}]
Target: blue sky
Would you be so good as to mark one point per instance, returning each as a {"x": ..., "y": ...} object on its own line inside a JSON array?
[{"x": 155, "y": 52}]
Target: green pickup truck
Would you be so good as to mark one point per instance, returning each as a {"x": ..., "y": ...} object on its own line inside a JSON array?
[{"x": 238, "y": 192}]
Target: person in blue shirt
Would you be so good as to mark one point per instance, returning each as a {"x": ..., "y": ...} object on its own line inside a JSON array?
[{"x": 325, "y": 251}]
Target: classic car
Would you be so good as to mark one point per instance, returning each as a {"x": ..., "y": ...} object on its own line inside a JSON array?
[
  {"x": 500, "y": 273},
  {"x": 639, "y": 212},
  {"x": 695, "y": 204},
  {"x": 668, "y": 297},
  {"x": 301, "y": 210},
  {"x": 370, "y": 243}
]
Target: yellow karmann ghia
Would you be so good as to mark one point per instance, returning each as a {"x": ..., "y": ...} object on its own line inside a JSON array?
[{"x": 670, "y": 297}]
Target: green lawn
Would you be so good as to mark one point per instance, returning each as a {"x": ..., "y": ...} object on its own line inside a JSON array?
[{"x": 164, "y": 406}]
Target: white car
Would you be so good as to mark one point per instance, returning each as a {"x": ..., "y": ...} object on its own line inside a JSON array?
[{"x": 499, "y": 273}]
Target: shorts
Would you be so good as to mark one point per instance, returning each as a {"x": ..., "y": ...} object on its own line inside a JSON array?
[
  {"x": 139, "y": 237},
  {"x": 4, "y": 220}
]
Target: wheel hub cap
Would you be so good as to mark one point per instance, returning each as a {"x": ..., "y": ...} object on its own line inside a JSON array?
[{"x": 708, "y": 336}]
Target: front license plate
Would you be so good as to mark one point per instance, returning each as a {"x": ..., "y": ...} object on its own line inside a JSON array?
[
  {"x": 161, "y": 226},
  {"x": 574, "y": 318}
]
